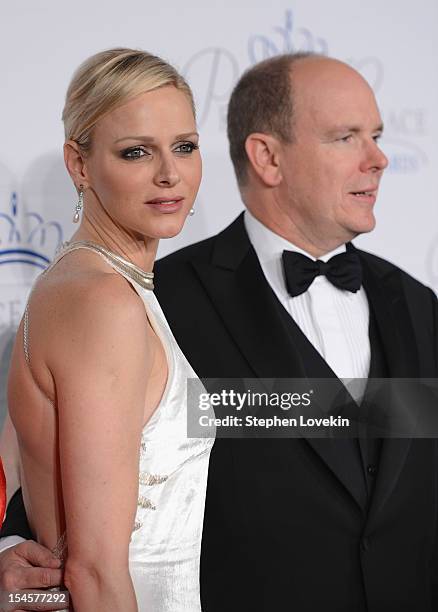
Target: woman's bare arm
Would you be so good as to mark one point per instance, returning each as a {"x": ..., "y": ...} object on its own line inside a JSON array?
[
  {"x": 10, "y": 457},
  {"x": 100, "y": 371},
  {"x": 28, "y": 564}
]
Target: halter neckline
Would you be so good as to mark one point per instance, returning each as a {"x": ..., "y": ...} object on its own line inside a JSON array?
[{"x": 145, "y": 279}]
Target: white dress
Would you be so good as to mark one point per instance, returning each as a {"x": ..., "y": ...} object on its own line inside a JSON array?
[{"x": 164, "y": 552}]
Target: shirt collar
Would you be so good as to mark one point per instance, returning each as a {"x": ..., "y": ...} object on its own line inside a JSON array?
[{"x": 270, "y": 246}]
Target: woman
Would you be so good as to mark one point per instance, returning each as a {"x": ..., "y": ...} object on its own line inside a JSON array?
[{"x": 97, "y": 382}]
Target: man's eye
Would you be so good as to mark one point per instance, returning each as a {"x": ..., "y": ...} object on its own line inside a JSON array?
[
  {"x": 346, "y": 138},
  {"x": 134, "y": 153},
  {"x": 186, "y": 147},
  {"x": 377, "y": 137}
]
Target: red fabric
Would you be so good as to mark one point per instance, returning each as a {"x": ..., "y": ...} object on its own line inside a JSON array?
[{"x": 2, "y": 493}]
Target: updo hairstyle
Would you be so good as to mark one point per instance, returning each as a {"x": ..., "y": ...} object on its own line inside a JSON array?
[{"x": 109, "y": 79}]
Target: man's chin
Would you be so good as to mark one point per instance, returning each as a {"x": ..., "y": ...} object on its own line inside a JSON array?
[{"x": 362, "y": 226}]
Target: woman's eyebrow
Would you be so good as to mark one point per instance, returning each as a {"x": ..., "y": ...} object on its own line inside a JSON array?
[{"x": 151, "y": 139}]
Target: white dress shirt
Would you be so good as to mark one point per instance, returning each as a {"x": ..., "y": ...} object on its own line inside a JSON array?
[
  {"x": 335, "y": 321},
  {"x": 10, "y": 541}
]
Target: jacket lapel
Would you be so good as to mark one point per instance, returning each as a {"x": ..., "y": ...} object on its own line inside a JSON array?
[
  {"x": 245, "y": 302},
  {"x": 249, "y": 310},
  {"x": 386, "y": 298}
]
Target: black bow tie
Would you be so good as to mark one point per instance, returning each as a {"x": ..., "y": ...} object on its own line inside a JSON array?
[{"x": 343, "y": 271}]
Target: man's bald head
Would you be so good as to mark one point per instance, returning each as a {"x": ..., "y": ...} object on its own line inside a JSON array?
[{"x": 266, "y": 96}]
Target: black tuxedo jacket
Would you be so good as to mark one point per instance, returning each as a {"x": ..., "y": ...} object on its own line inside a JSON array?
[{"x": 288, "y": 523}]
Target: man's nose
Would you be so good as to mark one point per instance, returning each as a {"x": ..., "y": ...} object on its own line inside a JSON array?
[{"x": 375, "y": 159}]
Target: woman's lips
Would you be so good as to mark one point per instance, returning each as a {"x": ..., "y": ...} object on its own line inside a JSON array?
[{"x": 166, "y": 205}]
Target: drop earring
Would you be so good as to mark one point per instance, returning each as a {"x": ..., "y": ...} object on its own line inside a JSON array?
[
  {"x": 79, "y": 205},
  {"x": 191, "y": 212}
]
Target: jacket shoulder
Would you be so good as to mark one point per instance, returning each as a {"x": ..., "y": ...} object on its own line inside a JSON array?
[
  {"x": 231, "y": 239},
  {"x": 184, "y": 256},
  {"x": 175, "y": 276},
  {"x": 383, "y": 267}
]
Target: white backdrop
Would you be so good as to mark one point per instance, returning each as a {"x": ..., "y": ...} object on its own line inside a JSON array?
[{"x": 393, "y": 43}]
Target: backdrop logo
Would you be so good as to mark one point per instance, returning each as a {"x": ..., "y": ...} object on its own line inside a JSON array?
[
  {"x": 222, "y": 68},
  {"x": 214, "y": 71},
  {"x": 405, "y": 157},
  {"x": 27, "y": 239},
  {"x": 286, "y": 39},
  {"x": 405, "y": 127}
]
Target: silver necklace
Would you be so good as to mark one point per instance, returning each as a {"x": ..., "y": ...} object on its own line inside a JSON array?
[{"x": 145, "y": 279}]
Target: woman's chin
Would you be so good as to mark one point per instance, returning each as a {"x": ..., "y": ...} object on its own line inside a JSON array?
[{"x": 168, "y": 228}]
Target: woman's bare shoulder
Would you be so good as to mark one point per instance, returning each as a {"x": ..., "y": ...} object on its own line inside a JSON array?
[
  {"x": 75, "y": 309},
  {"x": 87, "y": 286}
]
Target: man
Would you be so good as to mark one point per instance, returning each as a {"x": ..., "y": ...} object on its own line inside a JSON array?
[{"x": 308, "y": 524}]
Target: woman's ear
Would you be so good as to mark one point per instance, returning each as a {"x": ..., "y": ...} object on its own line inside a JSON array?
[
  {"x": 263, "y": 155},
  {"x": 75, "y": 163}
]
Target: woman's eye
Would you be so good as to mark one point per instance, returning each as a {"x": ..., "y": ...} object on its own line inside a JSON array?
[
  {"x": 186, "y": 147},
  {"x": 134, "y": 153}
]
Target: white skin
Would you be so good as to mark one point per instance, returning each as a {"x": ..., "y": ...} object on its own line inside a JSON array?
[
  {"x": 93, "y": 351},
  {"x": 308, "y": 190}
]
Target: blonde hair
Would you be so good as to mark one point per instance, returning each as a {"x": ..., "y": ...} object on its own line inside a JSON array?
[{"x": 108, "y": 79}]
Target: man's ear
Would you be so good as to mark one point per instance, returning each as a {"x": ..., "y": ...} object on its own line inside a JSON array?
[
  {"x": 263, "y": 154},
  {"x": 75, "y": 163}
]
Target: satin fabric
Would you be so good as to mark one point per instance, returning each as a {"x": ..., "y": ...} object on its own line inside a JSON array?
[{"x": 165, "y": 547}]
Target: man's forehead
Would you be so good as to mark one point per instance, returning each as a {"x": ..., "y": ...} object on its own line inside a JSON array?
[
  {"x": 319, "y": 68},
  {"x": 332, "y": 120},
  {"x": 329, "y": 92},
  {"x": 318, "y": 79}
]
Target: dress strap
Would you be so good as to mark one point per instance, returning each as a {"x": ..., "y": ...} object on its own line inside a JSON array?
[
  {"x": 26, "y": 333},
  {"x": 125, "y": 267}
]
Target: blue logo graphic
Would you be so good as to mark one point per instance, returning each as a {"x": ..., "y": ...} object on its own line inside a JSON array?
[
  {"x": 214, "y": 71},
  {"x": 27, "y": 246},
  {"x": 404, "y": 156},
  {"x": 285, "y": 40},
  {"x": 217, "y": 69}
]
